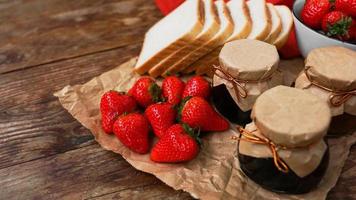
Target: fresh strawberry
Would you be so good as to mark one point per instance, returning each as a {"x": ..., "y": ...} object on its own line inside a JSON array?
[
  {"x": 198, "y": 113},
  {"x": 314, "y": 11},
  {"x": 337, "y": 24},
  {"x": 132, "y": 130},
  {"x": 197, "y": 86},
  {"x": 179, "y": 144},
  {"x": 113, "y": 104},
  {"x": 161, "y": 116},
  {"x": 145, "y": 91},
  {"x": 346, "y": 6},
  {"x": 172, "y": 89}
]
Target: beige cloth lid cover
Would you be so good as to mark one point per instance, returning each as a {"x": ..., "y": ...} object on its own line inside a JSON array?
[
  {"x": 292, "y": 118},
  {"x": 254, "y": 60},
  {"x": 332, "y": 67},
  {"x": 249, "y": 59}
]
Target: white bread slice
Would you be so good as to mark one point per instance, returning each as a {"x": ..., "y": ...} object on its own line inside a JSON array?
[
  {"x": 171, "y": 33},
  {"x": 241, "y": 18},
  {"x": 204, "y": 66},
  {"x": 261, "y": 21},
  {"x": 226, "y": 29},
  {"x": 287, "y": 24},
  {"x": 211, "y": 27},
  {"x": 242, "y": 28},
  {"x": 276, "y": 24}
]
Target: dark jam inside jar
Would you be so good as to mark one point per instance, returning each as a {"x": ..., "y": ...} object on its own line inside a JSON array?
[
  {"x": 264, "y": 172},
  {"x": 226, "y": 105},
  {"x": 342, "y": 125}
]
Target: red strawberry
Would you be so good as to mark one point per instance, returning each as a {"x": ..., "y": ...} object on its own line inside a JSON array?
[
  {"x": 337, "y": 24},
  {"x": 172, "y": 89},
  {"x": 197, "y": 86},
  {"x": 113, "y": 104},
  {"x": 346, "y": 6},
  {"x": 177, "y": 145},
  {"x": 161, "y": 116},
  {"x": 145, "y": 91},
  {"x": 198, "y": 113},
  {"x": 314, "y": 11},
  {"x": 132, "y": 130}
]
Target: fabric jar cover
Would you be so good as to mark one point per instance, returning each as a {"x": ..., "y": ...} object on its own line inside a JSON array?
[
  {"x": 335, "y": 69},
  {"x": 253, "y": 64},
  {"x": 291, "y": 118}
]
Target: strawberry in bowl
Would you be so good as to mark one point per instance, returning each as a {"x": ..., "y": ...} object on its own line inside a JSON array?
[{"x": 320, "y": 23}]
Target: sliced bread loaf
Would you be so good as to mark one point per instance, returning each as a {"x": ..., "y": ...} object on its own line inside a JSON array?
[
  {"x": 226, "y": 29},
  {"x": 211, "y": 27},
  {"x": 276, "y": 24},
  {"x": 261, "y": 20},
  {"x": 171, "y": 33},
  {"x": 242, "y": 28},
  {"x": 287, "y": 24}
]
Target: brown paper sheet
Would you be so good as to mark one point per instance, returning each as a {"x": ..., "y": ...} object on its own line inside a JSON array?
[{"x": 214, "y": 174}]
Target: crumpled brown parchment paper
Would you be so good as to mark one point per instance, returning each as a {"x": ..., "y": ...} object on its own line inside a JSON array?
[{"x": 214, "y": 174}]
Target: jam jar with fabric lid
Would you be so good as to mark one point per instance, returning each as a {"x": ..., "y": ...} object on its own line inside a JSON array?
[
  {"x": 283, "y": 149},
  {"x": 330, "y": 73},
  {"x": 247, "y": 69}
]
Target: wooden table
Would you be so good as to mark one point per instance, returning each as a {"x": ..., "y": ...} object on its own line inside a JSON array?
[{"x": 44, "y": 152}]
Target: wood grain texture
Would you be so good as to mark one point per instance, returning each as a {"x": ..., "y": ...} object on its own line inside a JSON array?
[
  {"x": 44, "y": 152},
  {"x": 43, "y": 31},
  {"x": 84, "y": 173},
  {"x": 32, "y": 122}
]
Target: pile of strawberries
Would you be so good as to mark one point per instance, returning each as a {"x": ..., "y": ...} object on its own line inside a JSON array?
[
  {"x": 336, "y": 18},
  {"x": 175, "y": 113}
]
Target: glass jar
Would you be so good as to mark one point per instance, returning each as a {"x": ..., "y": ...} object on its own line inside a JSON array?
[
  {"x": 283, "y": 149},
  {"x": 247, "y": 69},
  {"x": 330, "y": 73}
]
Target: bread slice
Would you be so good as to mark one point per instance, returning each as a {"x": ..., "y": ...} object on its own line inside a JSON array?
[
  {"x": 276, "y": 24},
  {"x": 242, "y": 28},
  {"x": 211, "y": 27},
  {"x": 171, "y": 33},
  {"x": 287, "y": 24},
  {"x": 241, "y": 18},
  {"x": 261, "y": 20},
  {"x": 226, "y": 29}
]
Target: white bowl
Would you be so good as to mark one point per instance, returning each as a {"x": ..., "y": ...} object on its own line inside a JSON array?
[{"x": 308, "y": 38}]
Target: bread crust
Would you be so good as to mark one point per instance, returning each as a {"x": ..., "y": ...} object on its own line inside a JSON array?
[
  {"x": 181, "y": 42},
  {"x": 273, "y": 36},
  {"x": 216, "y": 43},
  {"x": 162, "y": 67},
  {"x": 280, "y": 41}
]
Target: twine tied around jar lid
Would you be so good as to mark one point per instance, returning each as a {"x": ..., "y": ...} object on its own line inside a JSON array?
[
  {"x": 336, "y": 97},
  {"x": 239, "y": 85},
  {"x": 251, "y": 137}
]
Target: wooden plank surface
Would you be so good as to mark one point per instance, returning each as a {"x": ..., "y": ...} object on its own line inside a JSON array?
[{"x": 44, "y": 152}]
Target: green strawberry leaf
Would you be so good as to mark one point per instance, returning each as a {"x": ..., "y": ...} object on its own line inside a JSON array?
[
  {"x": 181, "y": 106},
  {"x": 194, "y": 133},
  {"x": 340, "y": 28},
  {"x": 155, "y": 92}
]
